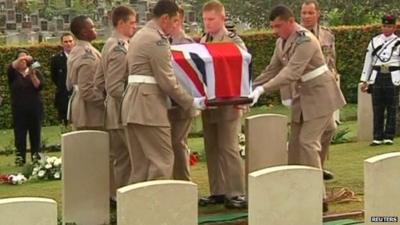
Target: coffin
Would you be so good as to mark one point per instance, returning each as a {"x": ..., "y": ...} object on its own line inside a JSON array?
[{"x": 218, "y": 71}]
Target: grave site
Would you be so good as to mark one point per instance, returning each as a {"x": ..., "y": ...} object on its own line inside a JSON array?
[
  {"x": 277, "y": 193},
  {"x": 72, "y": 184}
]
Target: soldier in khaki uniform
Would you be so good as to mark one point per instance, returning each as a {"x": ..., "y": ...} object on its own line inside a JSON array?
[
  {"x": 298, "y": 58},
  {"x": 180, "y": 119},
  {"x": 113, "y": 72},
  {"x": 221, "y": 126},
  {"x": 86, "y": 107},
  {"x": 145, "y": 104},
  {"x": 310, "y": 14}
]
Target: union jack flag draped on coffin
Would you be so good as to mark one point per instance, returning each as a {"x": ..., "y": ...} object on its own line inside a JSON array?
[{"x": 214, "y": 70}]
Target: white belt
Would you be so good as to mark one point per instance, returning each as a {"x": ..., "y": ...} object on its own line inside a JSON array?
[
  {"x": 141, "y": 79},
  {"x": 69, "y": 108},
  {"x": 315, "y": 73}
]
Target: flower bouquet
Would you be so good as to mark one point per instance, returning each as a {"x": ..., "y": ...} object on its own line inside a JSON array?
[
  {"x": 48, "y": 168},
  {"x": 13, "y": 179}
]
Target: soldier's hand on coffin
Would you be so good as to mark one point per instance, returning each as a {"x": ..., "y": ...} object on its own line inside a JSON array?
[
  {"x": 256, "y": 93},
  {"x": 199, "y": 103},
  {"x": 364, "y": 87}
]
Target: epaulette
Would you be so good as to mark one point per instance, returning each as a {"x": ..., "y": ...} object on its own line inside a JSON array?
[
  {"x": 120, "y": 47},
  {"x": 163, "y": 42},
  {"x": 164, "y": 39},
  {"x": 232, "y": 34},
  {"x": 326, "y": 29},
  {"x": 88, "y": 54},
  {"x": 302, "y": 38}
]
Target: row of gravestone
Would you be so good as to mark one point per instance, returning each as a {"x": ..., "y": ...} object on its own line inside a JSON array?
[
  {"x": 284, "y": 195},
  {"x": 85, "y": 190}
]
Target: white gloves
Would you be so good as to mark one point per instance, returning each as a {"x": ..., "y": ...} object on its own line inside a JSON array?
[
  {"x": 255, "y": 94},
  {"x": 287, "y": 102},
  {"x": 199, "y": 103}
]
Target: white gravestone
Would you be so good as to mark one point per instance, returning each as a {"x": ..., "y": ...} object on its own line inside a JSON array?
[
  {"x": 286, "y": 195},
  {"x": 28, "y": 211},
  {"x": 85, "y": 156},
  {"x": 161, "y": 202},
  {"x": 382, "y": 189}
]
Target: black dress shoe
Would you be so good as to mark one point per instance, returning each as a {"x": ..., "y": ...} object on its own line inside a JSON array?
[
  {"x": 236, "y": 202},
  {"x": 328, "y": 175},
  {"x": 211, "y": 200},
  {"x": 19, "y": 161},
  {"x": 325, "y": 207}
]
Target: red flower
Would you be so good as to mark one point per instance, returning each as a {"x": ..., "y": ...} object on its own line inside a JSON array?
[
  {"x": 194, "y": 158},
  {"x": 4, "y": 179}
]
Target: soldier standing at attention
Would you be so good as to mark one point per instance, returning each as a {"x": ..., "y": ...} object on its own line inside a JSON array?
[
  {"x": 298, "y": 58},
  {"x": 58, "y": 69},
  {"x": 180, "y": 119},
  {"x": 381, "y": 77},
  {"x": 310, "y": 16},
  {"x": 145, "y": 104},
  {"x": 86, "y": 107},
  {"x": 113, "y": 70},
  {"x": 221, "y": 126}
]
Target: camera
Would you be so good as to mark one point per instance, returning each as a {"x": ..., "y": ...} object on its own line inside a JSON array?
[{"x": 33, "y": 64}]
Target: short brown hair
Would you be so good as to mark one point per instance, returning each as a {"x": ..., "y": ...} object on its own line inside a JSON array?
[
  {"x": 122, "y": 13},
  {"x": 281, "y": 11},
  {"x": 315, "y": 2},
  {"x": 65, "y": 35},
  {"x": 165, "y": 7},
  {"x": 214, "y": 5}
]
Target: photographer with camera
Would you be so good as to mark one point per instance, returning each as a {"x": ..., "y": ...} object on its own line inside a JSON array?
[{"x": 25, "y": 83}]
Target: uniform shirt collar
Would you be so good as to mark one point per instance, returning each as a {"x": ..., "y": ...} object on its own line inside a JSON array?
[
  {"x": 219, "y": 36},
  {"x": 83, "y": 43},
  {"x": 153, "y": 25},
  {"x": 119, "y": 36},
  {"x": 315, "y": 30},
  {"x": 384, "y": 38},
  {"x": 293, "y": 35}
]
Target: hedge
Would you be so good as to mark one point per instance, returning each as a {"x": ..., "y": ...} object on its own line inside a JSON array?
[{"x": 351, "y": 43}]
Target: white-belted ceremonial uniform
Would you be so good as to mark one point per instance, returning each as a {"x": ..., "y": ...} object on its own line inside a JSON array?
[{"x": 382, "y": 72}]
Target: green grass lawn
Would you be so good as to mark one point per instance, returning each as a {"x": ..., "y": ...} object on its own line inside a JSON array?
[{"x": 345, "y": 160}]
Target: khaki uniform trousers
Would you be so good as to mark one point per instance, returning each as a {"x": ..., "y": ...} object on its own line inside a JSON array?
[
  {"x": 180, "y": 129},
  {"x": 305, "y": 141},
  {"x": 326, "y": 139},
  {"x": 150, "y": 152},
  {"x": 120, "y": 164},
  {"x": 225, "y": 166}
]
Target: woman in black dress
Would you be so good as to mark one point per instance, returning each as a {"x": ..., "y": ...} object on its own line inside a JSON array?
[{"x": 25, "y": 83}]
